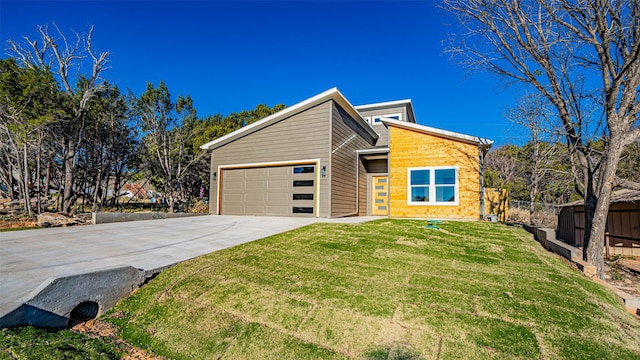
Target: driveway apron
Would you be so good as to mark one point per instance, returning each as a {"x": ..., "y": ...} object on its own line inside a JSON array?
[{"x": 29, "y": 258}]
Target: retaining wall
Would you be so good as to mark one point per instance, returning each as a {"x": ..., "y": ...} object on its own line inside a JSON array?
[
  {"x": 547, "y": 237},
  {"x": 109, "y": 217}
]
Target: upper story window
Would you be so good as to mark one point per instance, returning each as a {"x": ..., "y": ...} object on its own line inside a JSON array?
[
  {"x": 432, "y": 186},
  {"x": 376, "y": 118}
]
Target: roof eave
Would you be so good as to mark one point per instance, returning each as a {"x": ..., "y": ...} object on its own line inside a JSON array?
[
  {"x": 439, "y": 132},
  {"x": 331, "y": 94},
  {"x": 383, "y": 104}
]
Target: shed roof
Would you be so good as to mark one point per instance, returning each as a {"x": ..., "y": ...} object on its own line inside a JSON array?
[
  {"x": 387, "y": 104},
  {"x": 619, "y": 196},
  {"x": 331, "y": 94},
  {"x": 438, "y": 132}
]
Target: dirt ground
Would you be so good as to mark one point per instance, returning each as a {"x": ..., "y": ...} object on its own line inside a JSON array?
[
  {"x": 624, "y": 273},
  {"x": 15, "y": 223},
  {"x": 97, "y": 328},
  {"x": 24, "y": 222}
]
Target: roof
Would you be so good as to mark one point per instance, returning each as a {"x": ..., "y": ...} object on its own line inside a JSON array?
[
  {"x": 383, "y": 104},
  {"x": 331, "y": 94},
  {"x": 438, "y": 132},
  {"x": 619, "y": 196},
  {"x": 387, "y": 104}
]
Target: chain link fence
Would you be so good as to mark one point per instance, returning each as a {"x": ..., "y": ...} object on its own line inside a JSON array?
[{"x": 545, "y": 215}]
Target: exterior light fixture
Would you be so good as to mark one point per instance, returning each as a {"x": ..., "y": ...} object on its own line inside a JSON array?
[
  {"x": 215, "y": 175},
  {"x": 323, "y": 172}
]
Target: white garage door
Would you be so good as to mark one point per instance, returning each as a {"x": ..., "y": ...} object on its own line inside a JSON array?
[{"x": 276, "y": 190}]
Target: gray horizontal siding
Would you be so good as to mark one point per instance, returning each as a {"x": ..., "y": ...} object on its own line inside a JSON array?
[
  {"x": 382, "y": 130},
  {"x": 386, "y": 111},
  {"x": 347, "y": 136},
  {"x": 302, "y": 136},
  {"x": 363, "y": 196}
]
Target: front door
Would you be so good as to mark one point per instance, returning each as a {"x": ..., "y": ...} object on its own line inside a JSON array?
[{"x": 380, "y": 195}]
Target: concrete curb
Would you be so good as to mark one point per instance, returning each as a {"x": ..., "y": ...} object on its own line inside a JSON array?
[{"x": 108, "y": 217}]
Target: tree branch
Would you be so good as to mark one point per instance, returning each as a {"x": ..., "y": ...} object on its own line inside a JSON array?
[{"x": 627, "y": 184}]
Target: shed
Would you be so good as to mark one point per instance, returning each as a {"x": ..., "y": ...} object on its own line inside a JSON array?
[{"x": 623, "y": 223}]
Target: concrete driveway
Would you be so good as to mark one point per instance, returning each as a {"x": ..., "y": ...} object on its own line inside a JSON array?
[{"x": 31, "y": 258}]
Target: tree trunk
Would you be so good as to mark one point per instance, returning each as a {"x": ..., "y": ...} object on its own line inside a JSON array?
[
  {"x": 25, "y": 180},
  {"x": 105, "y": 191},
  {"x": 96, "y": 190},
  {"x": 597, "y": 203},
  {"x": 116, "y": 189},
  {"x": 47, "y": 181},
  {"x": 11, "y": 191},
  {"x": 171, "y": 200},
  {"x": 38, "y": 180},
  {"x": 532, "y": 207},
  {"x": 60, "y": 191},
  {"x": 69, "y": 161}
]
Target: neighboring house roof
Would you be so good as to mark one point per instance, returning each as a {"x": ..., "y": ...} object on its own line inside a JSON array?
[
  {"x": 387, "y": 104},
  {"x": 331, "y": 94},
  {"x": 438, "y": 132},
  {"x": 619, "y": 196}
]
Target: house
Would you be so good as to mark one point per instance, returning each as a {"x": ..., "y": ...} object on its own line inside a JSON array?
[
  {"x": 131, "y": 190},
  {"x": 623, "y": 223},
  {"x": 324, "y": 157}
]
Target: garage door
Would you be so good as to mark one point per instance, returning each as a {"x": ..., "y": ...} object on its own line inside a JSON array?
[{"x": 279, "y": 190}]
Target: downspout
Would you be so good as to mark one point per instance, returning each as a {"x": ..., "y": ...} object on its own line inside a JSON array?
[{"x": 482, "y": 152}]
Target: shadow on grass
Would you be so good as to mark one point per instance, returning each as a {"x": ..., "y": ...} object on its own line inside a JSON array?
[{"x": 391, "y": 353}]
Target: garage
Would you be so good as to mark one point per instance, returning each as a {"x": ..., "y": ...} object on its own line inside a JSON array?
[{"x": 273, "y": 190}]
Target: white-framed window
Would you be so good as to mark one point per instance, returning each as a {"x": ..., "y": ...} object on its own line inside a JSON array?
[
  {"x": 376, "y": 119},
  {"x": 435, "y": 185}
]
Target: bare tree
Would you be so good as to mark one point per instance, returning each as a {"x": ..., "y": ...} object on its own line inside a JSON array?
[
  {"x": 502, "y": 168},
  {"x": 53, "y": 50},
  {"x": 26, "y": 98},
  {"x": 583, "y": 56},
  {"x": 541, "y": 149},
  {"x": 165, "y": 139}
]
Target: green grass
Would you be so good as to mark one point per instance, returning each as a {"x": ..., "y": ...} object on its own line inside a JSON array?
[
  {"x": 388, "y": 289},
  {"x": 21, "y": 228},
  {"x": 33, "y": 343}
]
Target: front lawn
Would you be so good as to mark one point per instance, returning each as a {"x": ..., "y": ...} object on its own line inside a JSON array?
[{"x": 384, "y": 289}]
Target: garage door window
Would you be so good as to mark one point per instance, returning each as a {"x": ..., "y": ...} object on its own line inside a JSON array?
[
  {"x": 302, "y": 210},
  {"x": 302, "y": 196},
  {"x": 297, "y": 183},
  {"x": 304, "y": 169}
]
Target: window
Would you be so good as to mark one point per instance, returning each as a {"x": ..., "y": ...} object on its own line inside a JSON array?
[
  {"x": 304, "y": 169},
  {"x": 302, "y": 210},
  {"x": 376, "y": 119},
  {"x": 432, "y": 186},
  {"x": 302, "y": 196},
  {"x": 297, "y": 183}
]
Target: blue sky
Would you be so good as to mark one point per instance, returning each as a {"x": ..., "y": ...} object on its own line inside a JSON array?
[{"x": 231, "y": 56}]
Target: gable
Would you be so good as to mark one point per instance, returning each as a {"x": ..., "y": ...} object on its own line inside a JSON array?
[{"x": 331, "y": 94}]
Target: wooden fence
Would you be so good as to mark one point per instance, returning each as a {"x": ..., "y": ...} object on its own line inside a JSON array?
[{"x": 623, "y": 225}]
